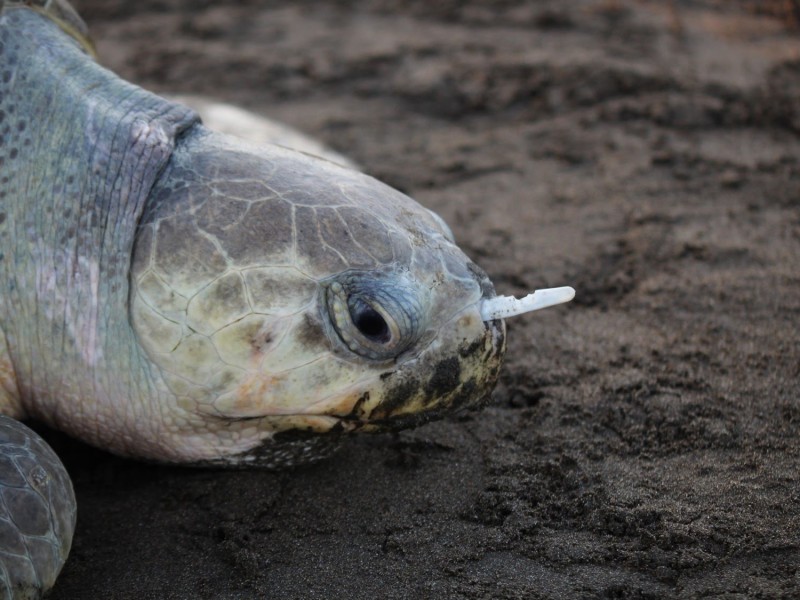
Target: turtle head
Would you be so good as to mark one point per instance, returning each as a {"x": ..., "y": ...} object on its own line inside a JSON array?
[
  {"x": 277, "y": 292},
  {"x": 409, "y": 334}
]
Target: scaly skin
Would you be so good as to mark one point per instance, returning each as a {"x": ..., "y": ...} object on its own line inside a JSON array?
[
  {"x": 241, "y": 255},
  {"x": 237, "y": 252},
  {"x": 37, "y": 512},
  {"x": 178, "y": 295},
  {"x": 81, "y": 150}
]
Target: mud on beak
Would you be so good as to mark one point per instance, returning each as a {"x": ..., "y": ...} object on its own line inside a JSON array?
[
  {"x": 425, "y": 389},
  {"x": 463, "y": 381}
]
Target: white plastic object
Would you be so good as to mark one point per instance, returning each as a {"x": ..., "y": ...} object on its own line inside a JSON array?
[{"x": 502, "y": 307}]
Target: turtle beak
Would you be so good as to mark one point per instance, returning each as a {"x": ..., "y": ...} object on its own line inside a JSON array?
[{"x": 436, "y": 384}]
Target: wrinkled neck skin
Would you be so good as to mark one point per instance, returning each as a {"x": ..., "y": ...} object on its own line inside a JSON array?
[{"x": 80, "y": 150}]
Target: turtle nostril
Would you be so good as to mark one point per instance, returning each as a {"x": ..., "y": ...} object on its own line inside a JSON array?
[{"x": 487, "y": 288}]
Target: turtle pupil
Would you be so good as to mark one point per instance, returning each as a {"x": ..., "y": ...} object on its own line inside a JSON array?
[{"x": 371, "y": 324}]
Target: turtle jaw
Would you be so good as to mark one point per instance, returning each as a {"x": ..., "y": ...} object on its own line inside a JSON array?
[
  {"x": 445, "y": 378},
  {"x": 436, "y": 386},
  {"x": 426, "y": 388},
  {"x": 456, "y": 369}
]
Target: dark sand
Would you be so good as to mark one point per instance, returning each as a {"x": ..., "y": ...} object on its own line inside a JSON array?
[{"x": 644, "y": 441}]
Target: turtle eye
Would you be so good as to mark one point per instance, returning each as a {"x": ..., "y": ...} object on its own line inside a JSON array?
[
  {"x": 369, "y": 322},
  {"x": 376, "y": 318}
]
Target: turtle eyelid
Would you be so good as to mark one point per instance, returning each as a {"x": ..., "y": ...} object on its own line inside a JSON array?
[{"x": 376, "y": 317}]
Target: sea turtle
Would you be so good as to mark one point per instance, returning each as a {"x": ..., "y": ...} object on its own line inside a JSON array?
[{"x": 178, "y": 295}]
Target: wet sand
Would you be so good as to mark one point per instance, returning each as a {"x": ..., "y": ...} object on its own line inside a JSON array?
[{"x": 644, "y": 441}]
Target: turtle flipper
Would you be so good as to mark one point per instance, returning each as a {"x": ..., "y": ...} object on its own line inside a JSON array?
[{"x": 37, "y": 513}]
